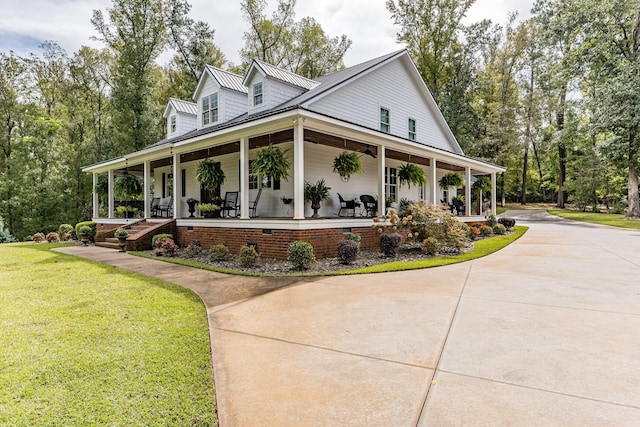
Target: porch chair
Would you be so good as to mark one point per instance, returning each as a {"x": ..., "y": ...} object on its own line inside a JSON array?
[
  {"x": 369, "y": 204},
  {"x": 254, "y": 205},
  {"x": 166, "y": 205},
  {"x": 155, "y": 202},
  {"x": 229, "y": 204},
  {"x": 348, "y": 205}
]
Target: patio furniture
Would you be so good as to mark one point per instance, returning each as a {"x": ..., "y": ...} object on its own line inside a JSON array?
[
  {"x": 155, "y": 202},
  {"x": 370, "y": 205},
  {"x": 348, "y": 205},
  {"x": 230, "y": 203},
  {"x": 165, "y": 205},
  {"x": 254, "y": 205}
]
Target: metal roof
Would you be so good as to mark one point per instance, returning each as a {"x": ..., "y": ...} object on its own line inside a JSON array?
[
  {"x": 184, "y": 106},
  {"x": 286, "y": 76},
  {"x": 227, "y": 79}
]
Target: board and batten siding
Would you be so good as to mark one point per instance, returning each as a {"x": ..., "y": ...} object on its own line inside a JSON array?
[{"x": 390, "y": 87}]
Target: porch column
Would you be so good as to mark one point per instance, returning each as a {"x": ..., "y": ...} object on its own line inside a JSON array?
[
  {"x": 244, "y": 178},
  {"x": 96, "y": 201},
  {"x": 110, "y": 196},
  {"x": 493, "y": 193},
  {"x": 467, "y": 191},
  {"x": 433, "y": 185},
  {"x": 298, "y": 169},
  {"x": 147, "y": 189},
  {"x": 177, "y": 185},
  {"x": 381, "y": 189}
]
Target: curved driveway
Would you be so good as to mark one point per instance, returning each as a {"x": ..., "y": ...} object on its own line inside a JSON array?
[{"x": 544, "y": 332}]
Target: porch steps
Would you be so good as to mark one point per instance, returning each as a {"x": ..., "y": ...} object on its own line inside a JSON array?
[{"x": 137, "y": 230}]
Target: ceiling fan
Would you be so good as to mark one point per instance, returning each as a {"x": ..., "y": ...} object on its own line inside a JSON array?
[{"x": 368, "y": 152}]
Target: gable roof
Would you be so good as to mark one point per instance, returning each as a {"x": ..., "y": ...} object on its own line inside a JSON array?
[
  {"x": 181, "y": 106},
  {"x": 225, "y": 79},
  {"x": 280, "y": 74}
]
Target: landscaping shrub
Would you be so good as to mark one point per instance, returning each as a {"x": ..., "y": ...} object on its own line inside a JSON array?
[
  {"x": 92, "y": 225},
  {"x": 5, "y": 235},
  {"x": 38, "y": 237},
  {"x": 499, "y": 229},
  {"x": 389, "y": 244},
  {"x": 485, "y": 230},
  {"x": 248, "y": 256},
  {"x": 353, "y": 236},
  {"x": 426, "y": 220},
  {"x": 619, "y": 208},
  {"x": 430, "y": 246},
  {"x": 491, "y": 220},
  {"x": 300, "y": 254},
  {"x": 154, "y": 239},
  {"x": 507, "y": 222},
  {"x": 52, "y": 237},
  {"x": 166, "y": 246},
  {"x": 347, "y": 251},
  {"x": 193, "y": 249},
  {"x": 219, "y": 252},
  {"x": 63, "y": 230}
]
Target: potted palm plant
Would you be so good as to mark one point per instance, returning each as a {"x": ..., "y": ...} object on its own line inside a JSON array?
[
  {"x": 271, "y": 162},
  {"x": 411, "y": 174},
  {"x": 347, "y": 164},
  {"x": 316, "y": 194}
]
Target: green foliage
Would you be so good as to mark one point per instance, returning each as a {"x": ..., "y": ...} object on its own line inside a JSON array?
[
  {"x": 38, "y": 237},
  {"x": 347, "y": 163},
  {"x": 451, "y": 180},
  {"x": 271, "y": 162},
  {"x": 154, "y": 239},
  {"x": 491, "y": 220},
  {"x": 348, "y": 251},
  {"x": 353, "y": 236},
  {"x": 499, "y": 229},
  {"x": 426, "y": 220},
  {"x": 92, "y": 229},
  {"x": 193, "y": 249},
  {"x": 5, "y": 236},
  {"x": 507, "y": 222},
  {"x": 300, "y": 254},
  {"x": 165, "y": 246},
  {"x": 248, "y": 256},
  {"x": 210, "y": 174},
  {"x": 208, "y": 207},
  {"x": 120, "y": 232},
  {"x": 316, "y": 193},
  {"x": 390, "y": 244},
  {"x": 64, "y": 229},
  {"x": 409, "y": 173},
  {"x": 485, "y": 230},
  {"x": 430, "y": 246},
  {"x": 127, "y": 187},
  {"x": 219, "y": 252},
  {"x": 52, "y": 237}
]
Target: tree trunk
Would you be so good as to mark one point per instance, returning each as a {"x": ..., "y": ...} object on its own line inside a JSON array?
[
  {"x": 523, "y": 200},
  {"x": 562, "y": 150},
  {"x": 634, "y": 198}
]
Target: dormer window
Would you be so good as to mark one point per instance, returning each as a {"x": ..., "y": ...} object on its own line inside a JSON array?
[
  {"x": 173, "y": 124},
  {"x": 210, "y": 109},
  {"x": 257, "y": 94}
]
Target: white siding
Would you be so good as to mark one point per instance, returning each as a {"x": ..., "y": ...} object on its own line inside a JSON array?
[
  {"x": 274, "y": 93},
  {"x": 232, "y": 104},
  {"x": 209, "y": 87},
  {"x": 390, "y": 87}
]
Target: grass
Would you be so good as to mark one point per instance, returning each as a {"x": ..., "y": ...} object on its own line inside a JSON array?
[
  {"x": 87, "y": 344},
  {"x": 481, "y": 248},
  {"x": 614, "y": 220}
]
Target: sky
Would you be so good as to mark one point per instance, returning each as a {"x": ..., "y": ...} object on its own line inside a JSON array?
[{"x": 25, "y": 24}]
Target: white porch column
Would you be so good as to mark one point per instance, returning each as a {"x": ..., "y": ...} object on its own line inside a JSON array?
[
  {"x": 298, "y": 170},
  {"x": 244, "y": 178},
  {"x": 493, "y": 193},
  {"x": 177, "y": 185},
  {"x": 381, "y": 189},
  {"x": 96, "y": 201},
  {"x": 147, "y": 189},
  {"x": 433, "y": 185},
  {"x": 467, "y": 192},
  {"x": 110, "y": 196}
]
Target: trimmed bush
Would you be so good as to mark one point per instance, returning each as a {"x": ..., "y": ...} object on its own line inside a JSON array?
[
  {"x": 430, "y": 246},
  {"x": 166, "y": 246},
  {"x": 507, "y": 222},
  {"x": 389, "y": 244},
  {"x": 485, "y": 230},
  {"x": 300, "y": 254},
  {"x": 499, "y": 229},
  {"x": 92, "y": 225},
  {"x": 38, "y": 237},
  {"x": 64, "y": 230},
  {"x": 353, "y": 236},
  {"x": 491, "y": 220},
  {"x": 248, "y": 256},
  {"x": 219, "y": 252},
  {"x": 52, "y": 237},
  {"x": 154, "y": 239},
  {"x": 348, "y": 251}
]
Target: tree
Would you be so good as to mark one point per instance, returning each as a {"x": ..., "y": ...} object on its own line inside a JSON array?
[{"x": 300, "y": 47}]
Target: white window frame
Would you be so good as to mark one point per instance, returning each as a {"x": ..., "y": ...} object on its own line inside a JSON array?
[
  {"x": 172, "y": 121},
  {"x": 385, "y": 126},
  {"x": 210, "y": 112},
  {"x": 411, "y": 133},
  {"x": 258, "y": 93},
  {"x": 391, "y": 183}
]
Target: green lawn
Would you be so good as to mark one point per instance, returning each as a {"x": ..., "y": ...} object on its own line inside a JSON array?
[
  {"x": 614, "y": 220},
  {"x": 87, "y": 344}
]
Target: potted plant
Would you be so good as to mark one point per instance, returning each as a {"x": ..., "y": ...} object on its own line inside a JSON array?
[
  {"x": 316, "y": 193},
  {"x": 85, "y": 233},
  {"x": 347, "y": 164},
  {"x": 210, "y": 210},
  {"x": 271, "y": 162},
  {"x": 451, "y": 180},
  {"x": 411, "y": 174},
  {"x": 121, "y": 234},
  {"x": 127, "y": 211},
  {"x": 127, "y": 187},
  {"x": 210, "y": 174}
]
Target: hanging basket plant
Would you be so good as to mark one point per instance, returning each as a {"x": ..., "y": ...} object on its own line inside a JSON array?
[
  {"x": 347, "y": 164},
  {"x": 210, "y": 174},
  {"x": 481, "y": 186},
  {"x": 127, "y": 187},
  {"x": 411, "y": 174},
  {"x": 271, "y": 162},
  {"x": 451, "y": 180}
]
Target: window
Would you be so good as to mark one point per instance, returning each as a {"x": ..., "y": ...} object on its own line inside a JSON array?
[
  {"x": 391, "y": 183},
  {"x": 384, "y": 120},
  {"x": 412, "y": 129},
  {"x": 173, "y": 124},
  {"x": 210, "y": 109},
  {"x": 257, "y": 94},
  {"x": 253, "y": 178}
]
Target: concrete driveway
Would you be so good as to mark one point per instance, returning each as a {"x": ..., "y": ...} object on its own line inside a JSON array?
[{"x": 545, "y": 332}]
